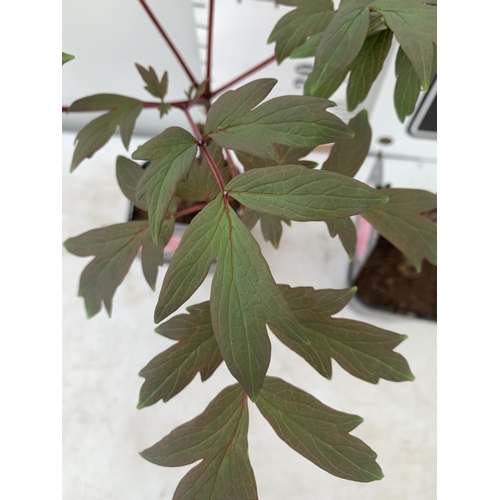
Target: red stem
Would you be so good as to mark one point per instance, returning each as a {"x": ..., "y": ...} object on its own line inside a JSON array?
[
  {"x": 196, "y": 208},
  {"x": 195, "y": 129},
  {"x": 210, "y": 46},
  {"x": 244, "y": 75},
  {"x": 213, "y": 166},
  {"x": 169, "y": 42}
]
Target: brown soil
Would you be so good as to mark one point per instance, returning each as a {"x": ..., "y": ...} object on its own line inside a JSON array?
[{"x": 389, "y": 281}]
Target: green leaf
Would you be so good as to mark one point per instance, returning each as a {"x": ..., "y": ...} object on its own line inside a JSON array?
[
  {"x": 407, "y": 87},
  {"x": 367, "y": 66},
  {"x": 128, "y": 173},
  {"x": 318, "y": 432},
  {"x": 363, "y": 350},
  {"x": 196, "y": 351},
  {"x": 244, "y": 296},
  {"x": 414, "y": 24},
  {"x": 97, "y": 133},
  {"x": 171, "y": 155},
  {"x": 400, "y": 222},
  {"x": 285, "y": 155},
  {"x": 218, "y": 437},
  {"x": 340, "y": 44},
  {"x": 346, "y": 232},
  {"x": 308, "y": 48},
  {"x": 297, "y": 121},
  {"x": 154, "y": 86},
  {"x": 164, "y": 109},
  {"x": 300, "y": 194},
  {"x": 114, "y": 248},
  {"x": 201, "y": 184},
  {"x": 292, "y": 30},
  {"x": 66, "y": 58},
  {"x": 376, "y": 24},
  {"x": 347, "y": 155},
  {"x": 270, "y": 225}
]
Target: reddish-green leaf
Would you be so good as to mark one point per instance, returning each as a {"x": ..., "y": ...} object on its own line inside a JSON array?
[
  {"x": 244, "y": 296},
  {"x": 270, "y": 225},
  {"x": 114, "y": 248},
  {"x": 318, "y": 432},
  {"x": 308, "y": 48},
  {"x": 217, "y": 437},
  {"x": 367, "y": 66},
  {"x": 201, "y": 184},
  {"x": 310, "y": 17},
  {"x": 128, "y": 173},
  {"x": 235, "y": 122},
  {"x": 407, "y": 87},
  {"x": 340, "y": 44},
  {"x": 414, "y": 24},
  {"x": 346, "y": 232},
  {"x": 97, "y": 133},
  {"x": 285, "y": 155},
  {"x": 363, "y": 350},
  {"x": 154, "y": 86},
  {"x": 171, "y": 155},
  {"x": 400, "y": 222},
  {"x": 196, "y": 351},
  {"x": 300, "y": 194},
  {"x": 347, "y": 155}
]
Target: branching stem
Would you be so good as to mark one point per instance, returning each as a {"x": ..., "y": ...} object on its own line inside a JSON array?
[
  {"x": 187, "y": 211},
  {"x": 213, "y": 166}
]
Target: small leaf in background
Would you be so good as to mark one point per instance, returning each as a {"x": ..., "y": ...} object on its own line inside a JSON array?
[
  {"x": 234, "y": 122},
  {"x": 66, "y": 58},
  {"x": 285, "y": 155},
  {"x": 318, "y": 432},
  {"x": 97, "y": 133},
  {"x": 201, "y": 185},
  {"x": 407, "y": 87},
  {"x": 171, "y": 155},
  {"x": 376, "y": 24},
  {"x": 270, "y": 225},
  {"x": 347, "y": 155},
  {"x": 244, "y": 295},
  {"x": 154, "y": 86},
  {"x": 115, "y": 248},
  {"x": 399, "y": 221},
  {"x": 217, "y": 437},
  {"x": 363, "y": 350},
  {"x": 128, "y": 173},
  {"x": 308, "y": 48},
  {"x": 340, "y": 44},
  {"x": 414, "y": 24},
  {"x": 346, "y": 231},
  {"x": 293, "y": 29},
  {"x": 367, "y": 66},
  {"x": 196, "y": 351},
  {"x": 164, "y": 109},
  {"x": 297, "y": 193}
]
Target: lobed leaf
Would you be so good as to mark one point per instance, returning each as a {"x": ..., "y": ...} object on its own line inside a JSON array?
[
  {"x": 347, "y": 155},
  {"x": 157, "y": 88},
  {"x": 196, "y": 351},
  {"x": 244, "y": 295},
  {"x": 318, "y": 432},
  {"x": 270, "y": 225},
  {"x": 293, "y": 29},
  {"x": 367, "y": 66},
  {"x": 218, "y": 437},
  {"x": 171, "y": 155},
  {"x": 114, "y": 248},
  {"x": 285, "y": 155},
  {"x": 414, "y": 24},
  {"x": 297, "y": 121},
  {"x": 400, "y": 222},
  {"x": 407, "y": 87},
  {"x": 363, "y": 350},
  {"x": 308, "y": 48},
  {"x": 97, "y": 133},
  {"x": 300, "y": 194},
  {"x": 340, "y": 44}
]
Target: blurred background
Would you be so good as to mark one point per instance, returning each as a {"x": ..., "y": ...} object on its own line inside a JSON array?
[{"x": 102, "y": 430}]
